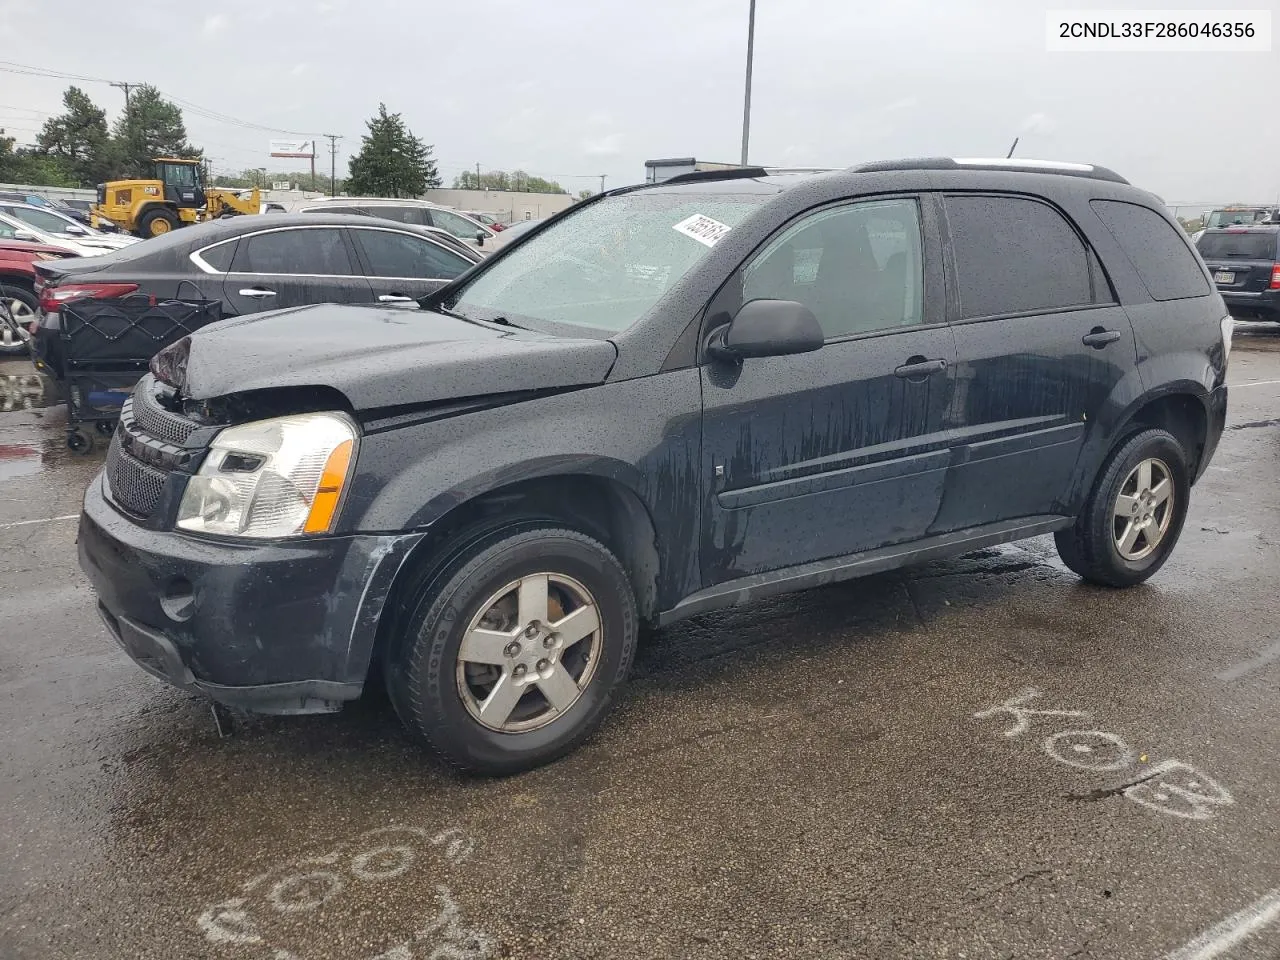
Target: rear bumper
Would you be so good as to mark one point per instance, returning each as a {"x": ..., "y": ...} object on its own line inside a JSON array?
[
  {"x": 1264, "y": 304},
  {"x": 1216, "y": 409},
  {"x": 276, "y": 627}
]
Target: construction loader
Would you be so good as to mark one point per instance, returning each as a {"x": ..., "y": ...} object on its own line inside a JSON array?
[{"x": 176, "y": 197}]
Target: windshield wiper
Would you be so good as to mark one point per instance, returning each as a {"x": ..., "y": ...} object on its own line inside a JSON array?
[
  {"x": 450, "y": 313},
  {"x": 504, "y": 322}
]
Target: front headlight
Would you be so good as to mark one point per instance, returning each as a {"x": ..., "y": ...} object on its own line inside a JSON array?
[{"x": 273, "y": 478}]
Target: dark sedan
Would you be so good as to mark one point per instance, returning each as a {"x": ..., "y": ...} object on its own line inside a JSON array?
[{"x": 258, "y": 263}]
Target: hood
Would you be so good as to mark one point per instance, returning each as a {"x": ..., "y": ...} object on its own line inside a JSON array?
[
  {"x": 380, "y": 357},
  {"x": 107, "y": 241}
]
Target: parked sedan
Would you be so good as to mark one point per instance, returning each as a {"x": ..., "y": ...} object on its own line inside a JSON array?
[
  {"x": 264, "y": 263},
  {"x": 63, "y": 228},
  {"x": 17, "y": 285}
]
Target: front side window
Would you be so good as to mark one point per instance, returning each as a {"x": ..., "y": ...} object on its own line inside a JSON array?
[
  {"x": 455, "y": 224},
  {"x": 306, "y": 252},
  {"x": 1015, "y": 255},
  {"x": 857, "y": 267},
  {"x": 392, "y": 254},
  {"x": 604, "y": 265},
  {"x": 407, "y": 214},
  {"x": 47, "y": 222}
]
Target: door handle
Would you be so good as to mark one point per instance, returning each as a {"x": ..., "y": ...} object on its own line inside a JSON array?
[
  {"x": 394, "y": 298},
  {"x": 1099, "y": 338},
  {"x": 257, "y": 293},
  {"x": 917, "y": 368}
]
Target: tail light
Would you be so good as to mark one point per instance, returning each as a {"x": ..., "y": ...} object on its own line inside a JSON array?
[
  {"x": 52, "y": 298},
  {"x": 1275, "y": 277}
]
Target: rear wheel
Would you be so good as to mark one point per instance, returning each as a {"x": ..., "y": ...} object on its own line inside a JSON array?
[
  {"x": 511, "y": 654},
  {"x": 1134, "y": 515},
  {"x": 157, "y": 222},
  {"x": 22, "y": 306}
]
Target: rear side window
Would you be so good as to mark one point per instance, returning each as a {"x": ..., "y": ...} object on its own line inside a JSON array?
[
  {"x": 392, "y": 254},
  {"x": 1015, "y": 255},
  {"x": 302, "y": 251},
  {"x": 1239, "y": 246},
  {"x": 220, "y": 257},
  {"x": 1156, "y": 248},
  {"x": 409, "y": 214}
]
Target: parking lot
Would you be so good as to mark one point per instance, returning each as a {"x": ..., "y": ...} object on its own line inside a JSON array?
[{"x": 976, "y": 758}]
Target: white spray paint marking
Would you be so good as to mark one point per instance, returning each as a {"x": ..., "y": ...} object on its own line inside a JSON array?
[
  {"x": 312, "y": 882},
  {"x": 1089, "y": 750},
  {"x": 1221, "y": 937},
  {"x": 27, "y": 523},
  {"x": 1189, "y": 795},
  {"x": 1252, "y": 383},
  {"x": 1267, "y": 657},
  {"x": 1194, "y": 801},
  {"x": 228, "y": 923},
  {"x": 1021, "y": 715}
]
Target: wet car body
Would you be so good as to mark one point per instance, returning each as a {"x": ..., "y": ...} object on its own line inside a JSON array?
[
  {"x": 1245, "y": 265},
  {"x": 715, "y": 482}
]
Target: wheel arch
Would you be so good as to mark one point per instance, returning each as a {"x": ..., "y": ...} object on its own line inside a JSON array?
[{"x": 600, "y": 506}]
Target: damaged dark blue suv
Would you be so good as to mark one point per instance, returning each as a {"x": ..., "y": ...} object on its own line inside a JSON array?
[{"x": 669, "y": 399}]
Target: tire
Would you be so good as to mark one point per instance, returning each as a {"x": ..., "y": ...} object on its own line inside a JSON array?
[
  {"x": 1097, "y": 546},
  {"x": 157, "y": 222},
  {"x": 80, "y": 442},
  {"x": 24, "y": 307},
  {"x": 439, "y": 699}
]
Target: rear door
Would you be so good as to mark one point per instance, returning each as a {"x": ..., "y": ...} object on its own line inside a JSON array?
[
  {"x": 294, "y": 266},
  {"x": 404, "y": 266},
  {"x": 1041, "y": 342}
]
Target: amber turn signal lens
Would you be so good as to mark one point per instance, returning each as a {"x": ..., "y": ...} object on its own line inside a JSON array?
[{"x": 324, "y": 508}]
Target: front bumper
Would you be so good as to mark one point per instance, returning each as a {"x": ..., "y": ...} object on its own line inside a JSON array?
[{"x": 275, "y": 627}]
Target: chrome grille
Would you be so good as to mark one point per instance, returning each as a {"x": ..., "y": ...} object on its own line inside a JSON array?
[
  {"x": 134, "y": 485},
  {"x": 156, "y": 421}
]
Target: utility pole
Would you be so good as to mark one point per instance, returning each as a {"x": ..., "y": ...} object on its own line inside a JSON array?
[
  {"x": 1012, "y": 148},
  {"x": 128, "y": 117},
  {"x": 313, "y": 166},
  {"x": 333, "y": 139},
  {"x": 602, "y": 176},
  {"x": 746, "y": 99},
  {"x": 477, "y": 175}
]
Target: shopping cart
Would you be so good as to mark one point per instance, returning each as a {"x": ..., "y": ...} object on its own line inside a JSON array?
[{"x": 103, "y": 348}]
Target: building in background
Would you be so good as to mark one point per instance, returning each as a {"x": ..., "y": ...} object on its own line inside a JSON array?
[
  {"x": 505, "y": 205},
  {"x": 656, "y": 171}
]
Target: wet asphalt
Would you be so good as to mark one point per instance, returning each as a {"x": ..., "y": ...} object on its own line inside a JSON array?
[{"x": 829, "y": 774}]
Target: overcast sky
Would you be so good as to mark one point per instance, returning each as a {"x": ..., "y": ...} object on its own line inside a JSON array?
[{"x": 571, "y": 89}]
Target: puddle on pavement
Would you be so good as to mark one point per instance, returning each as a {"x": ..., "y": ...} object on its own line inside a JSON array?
[
  {"x": 26, "y": 390},
  {"x": 19, "y": 460}
]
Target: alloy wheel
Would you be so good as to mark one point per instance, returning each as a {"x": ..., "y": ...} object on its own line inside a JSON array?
[{"x": 1143, "y": 509}]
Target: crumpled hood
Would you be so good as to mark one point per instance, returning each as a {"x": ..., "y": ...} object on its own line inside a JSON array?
[{"x": 384, "y": 357}]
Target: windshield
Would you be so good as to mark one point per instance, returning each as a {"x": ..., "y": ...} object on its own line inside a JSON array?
[
  {"x": 1225, "y": 218},
  {"x": 606, "y": 265},
  {"x": 1251, "y": 245}
]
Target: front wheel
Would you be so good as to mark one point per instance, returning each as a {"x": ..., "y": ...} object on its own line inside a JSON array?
[
  {"x": 158, "y": 221},
  {"x": 511, "y": 654},
  {"x": 1134, "y": 515}
]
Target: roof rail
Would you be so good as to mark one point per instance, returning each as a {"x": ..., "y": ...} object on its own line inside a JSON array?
[
  {"x": 735, "y": 173},
  {"x": 1012, "y": 164}
]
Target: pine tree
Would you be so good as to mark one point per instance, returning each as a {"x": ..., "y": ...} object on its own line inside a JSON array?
[
  {"x": 79, "y": 138},
  {"x": 150, "y": 127},
  {"x": 392, "y": 162}
]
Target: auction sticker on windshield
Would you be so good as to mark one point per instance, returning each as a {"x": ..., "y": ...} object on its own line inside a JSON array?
[{"x": 703, "y": 229}]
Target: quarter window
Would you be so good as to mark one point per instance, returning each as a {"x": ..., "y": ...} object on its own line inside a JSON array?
[
  {"x": 857, "y": 267},
  {"x": 392, "y": 254},
  {"x": 1015, "y": 255},
  {"x": 1156, "y": 248},
  {"x": 220, "y": 257},
  {"x": 314, "y": 252}
]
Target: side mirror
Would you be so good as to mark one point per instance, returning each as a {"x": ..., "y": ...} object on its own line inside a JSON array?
[
  {"x": 24, "y": 235},
  {"x": 75, "y": 231},
  {"x": 767, "y": 328},
  {"x": 480, "y": 239}
]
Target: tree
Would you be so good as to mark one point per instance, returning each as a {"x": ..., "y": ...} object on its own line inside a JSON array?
[
  {"x": 80, "y": 138},
  {"x": 22, "y": 165},
  {"x": 392, "y": 162},
  {"x": 517, "y": 180},
  {"x": 586, "y": 194},
  {"x": 150, "y": 127}
]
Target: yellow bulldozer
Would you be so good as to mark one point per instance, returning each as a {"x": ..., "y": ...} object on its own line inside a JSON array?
[{"x": 176, "y": 197}]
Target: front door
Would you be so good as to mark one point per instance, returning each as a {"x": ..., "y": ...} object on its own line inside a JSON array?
[
  {"x": 844, "y": 449},
  {"x": 292, "y": 267},
  {"x": 1041, "y": 343}
]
